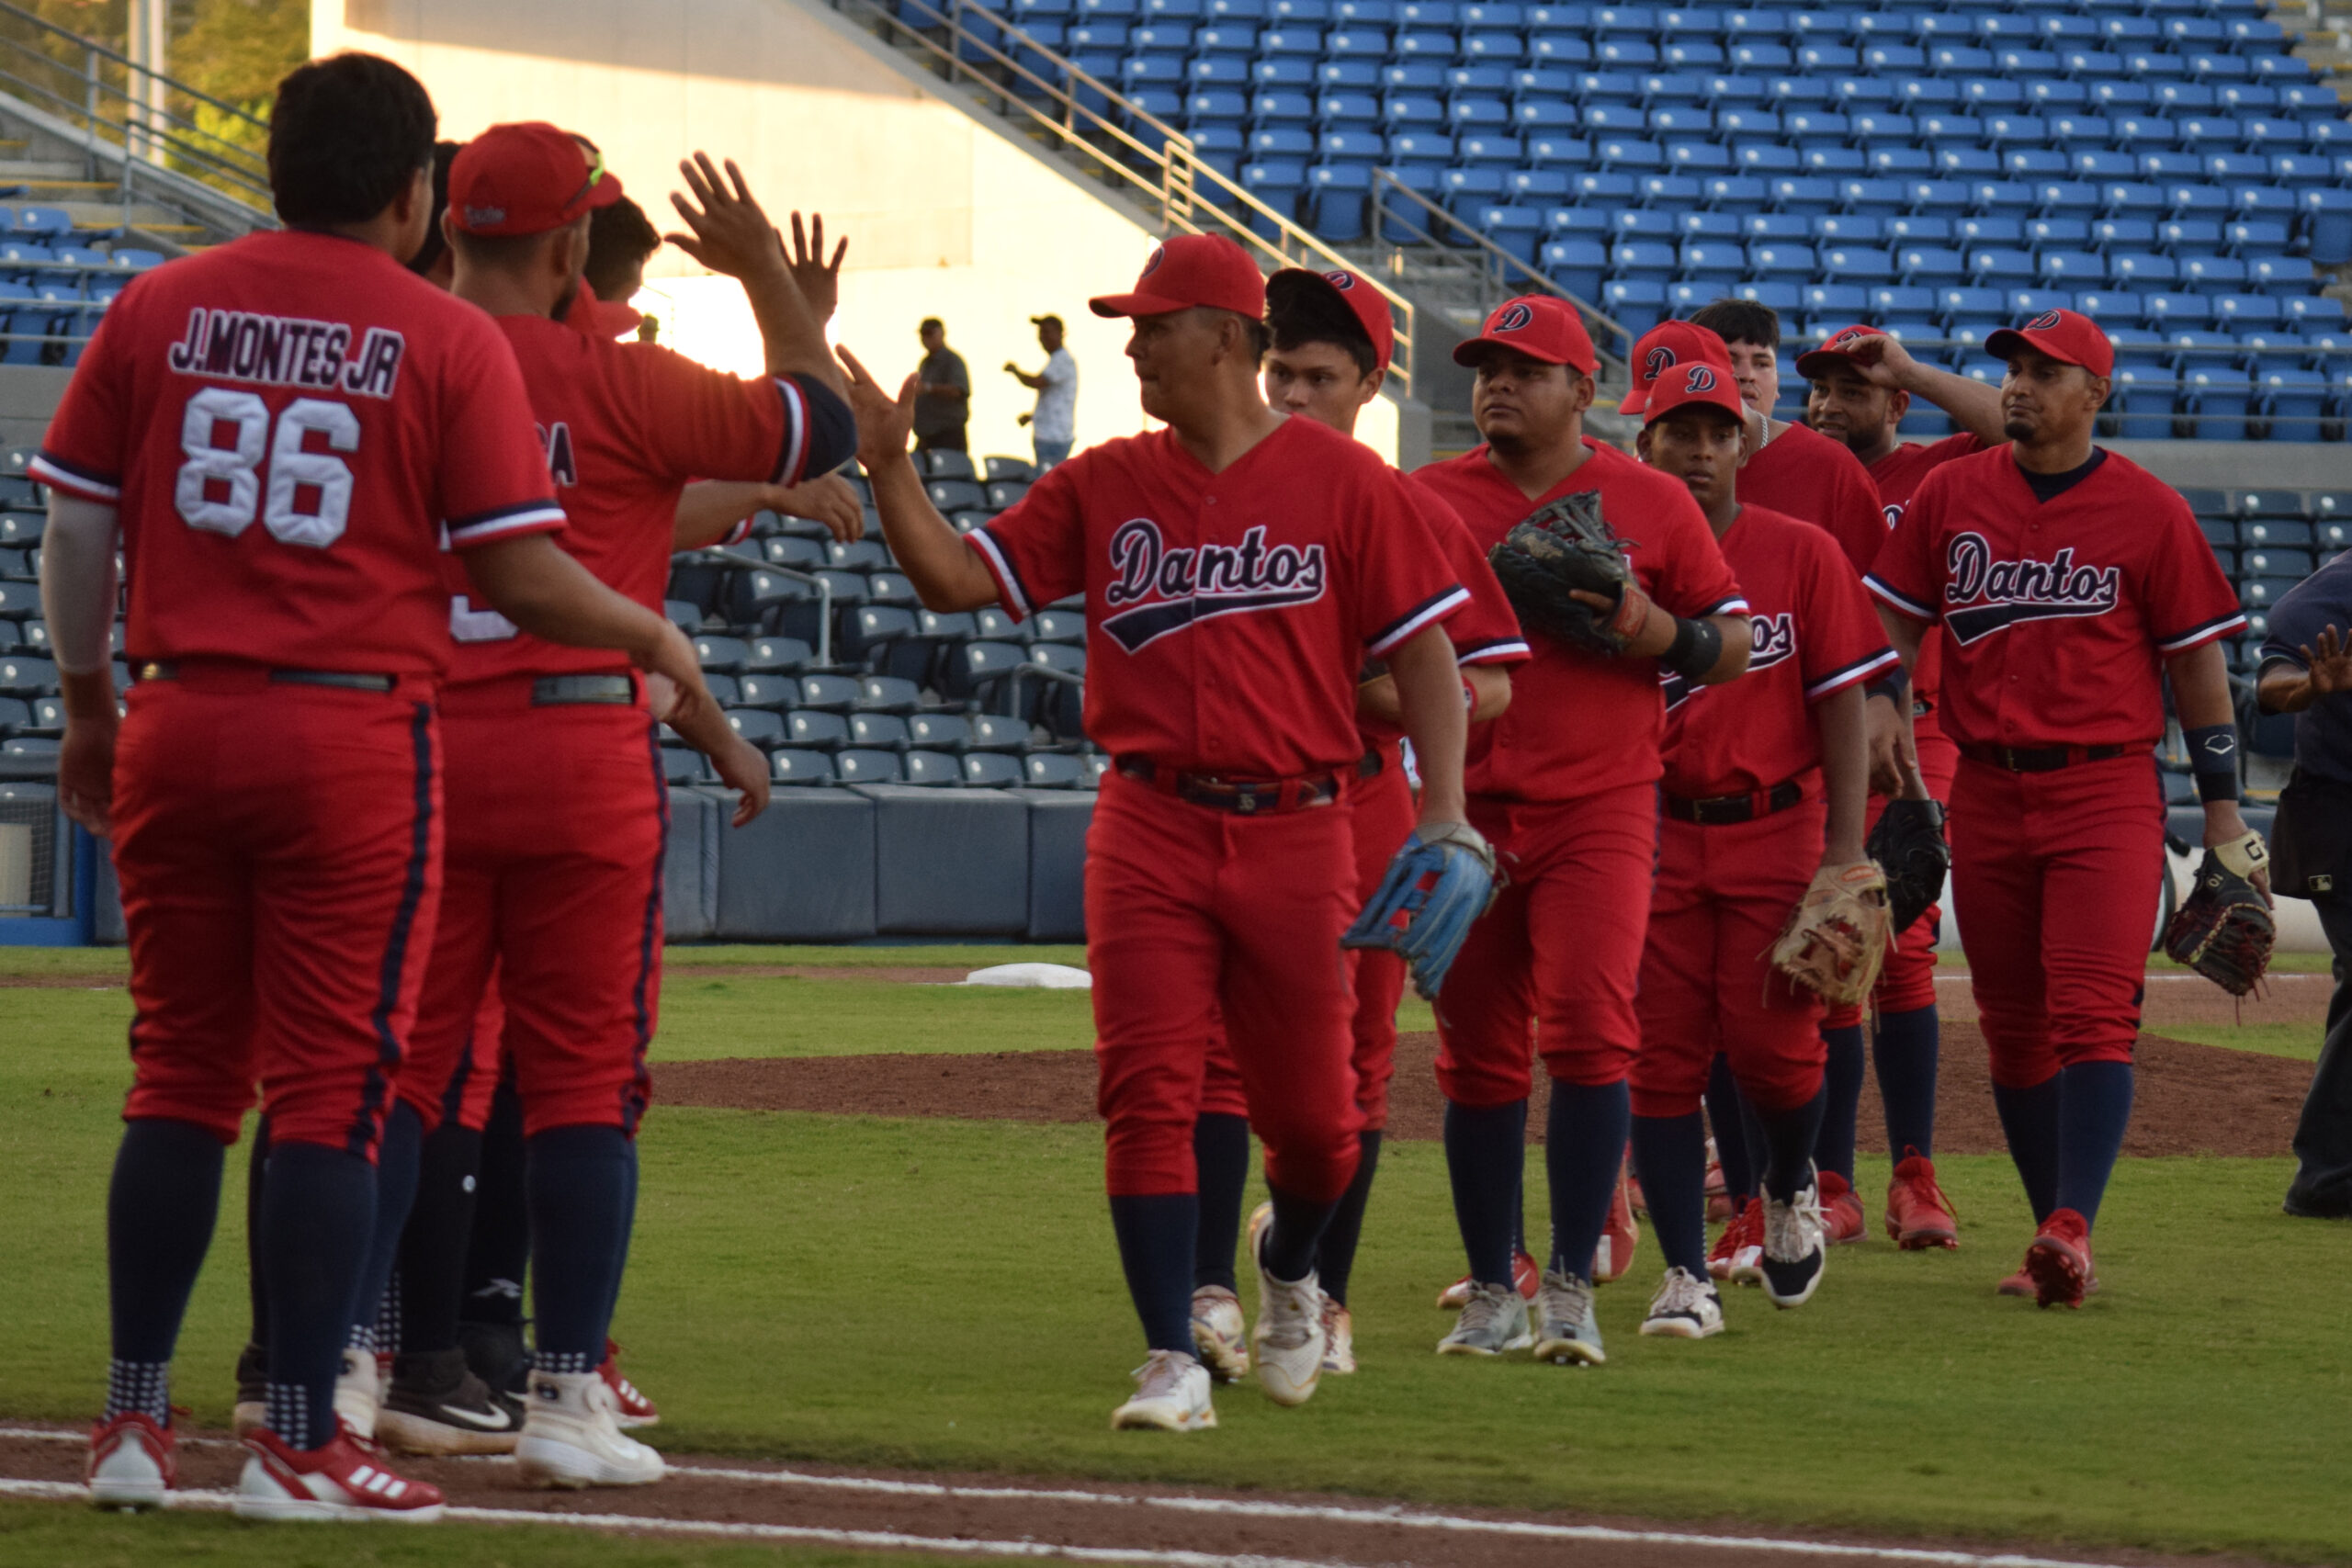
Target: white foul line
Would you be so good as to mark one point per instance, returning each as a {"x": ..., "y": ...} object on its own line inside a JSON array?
[{"x": 1229, "y": 1507}]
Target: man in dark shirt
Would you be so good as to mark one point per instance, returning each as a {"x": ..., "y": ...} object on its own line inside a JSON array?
[
  {"x": 943, "y": 399},
  {"x": 2307, "y": 670}
]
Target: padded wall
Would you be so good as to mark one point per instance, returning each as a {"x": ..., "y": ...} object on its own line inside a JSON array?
[
  {"x": 802, "y": 871},
  {"x": 949, "y": 861},
  {"x": 1057, "y": 823},
  {"x": 690, "y": 865}
]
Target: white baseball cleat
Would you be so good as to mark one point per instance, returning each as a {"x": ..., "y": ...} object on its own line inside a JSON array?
[
  {"x": 132, "y": 1462},
  {"x": 340, "y": 1481},
  {"x": 1795, "y": 1246},
  {"x": 1338, "y": 1337},
  {"x": 1287, "y": 1342},
  {"x": 1220, "y": 1337},
  {"x": 1686, "y": 1307},
  {"x": 1171, "y": 1395},
  {"x": 355, "y": 1393},
  {"x": 571, "y": 1436},
  {"x": 1493, "y": 1322}
]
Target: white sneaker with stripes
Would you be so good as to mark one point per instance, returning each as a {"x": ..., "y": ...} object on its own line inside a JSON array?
[{"x": 341, "y": 1481}]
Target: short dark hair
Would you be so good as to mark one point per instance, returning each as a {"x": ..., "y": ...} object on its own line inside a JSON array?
[
  {"x": 435, "y": 242},
  {"x": 503, "y": 252},
  {"x": 931, "y": 324},
  {"x": 619, "y": 239},
  {"x": 1298, "y": 314},
  {"x": 346, "y": 135},
  {"x": 1740, "y": 320}
]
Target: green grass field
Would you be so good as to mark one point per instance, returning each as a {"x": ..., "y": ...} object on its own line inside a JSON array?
[{"x": 945, "y": 1294}]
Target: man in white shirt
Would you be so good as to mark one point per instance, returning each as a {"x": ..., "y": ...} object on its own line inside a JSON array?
[{"x": 1054, "y": 423}]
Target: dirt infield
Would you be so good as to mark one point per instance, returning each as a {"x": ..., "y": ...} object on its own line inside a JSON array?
[
  {"x": 977, "y": 1517},
  {"x": 2193, "y": 1099}
]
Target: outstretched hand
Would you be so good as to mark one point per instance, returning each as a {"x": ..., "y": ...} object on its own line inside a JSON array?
[
  {"x": 2329, "y": 658},
  {"x": 730, "y": 234},
  {"x": 884, "y": 423},
  {"x": 819, "y": 280}
]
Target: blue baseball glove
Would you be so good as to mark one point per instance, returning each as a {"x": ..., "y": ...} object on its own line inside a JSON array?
[{"x": 1442, "y": 879}]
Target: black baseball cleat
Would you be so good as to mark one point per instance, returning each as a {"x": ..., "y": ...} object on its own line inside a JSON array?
[
  {"x": 252, "y": 1390},
  {"x": 495, "y": 1353},
  {"x": 1795, "y": 1246},
  {"x": 436, "y": 1406}
]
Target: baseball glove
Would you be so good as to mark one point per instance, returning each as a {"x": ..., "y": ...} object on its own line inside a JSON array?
[
  {"x": 1836, "y": 936},
  {"x": 1908, "y": 844},
  {"x": 2224, "y": 929},
  {"x": 1435, "y": 887},
  {"x": 1561, "y": 549}
]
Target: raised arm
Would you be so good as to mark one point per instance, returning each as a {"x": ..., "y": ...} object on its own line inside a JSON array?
[
  {"x": 791, "y": 296},
  {"x": 2285, "y": 686},
  {"x": 947, "y": 575},
  {"x": 1976, "y": 406}
]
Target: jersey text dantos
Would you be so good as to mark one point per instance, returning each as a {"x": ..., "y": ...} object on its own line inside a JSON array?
[
  {"x": 1578, "y": 723},
  {"x": 285, "y": 425},
  {"x": 1228, "y": 613},
  {"x": 1813, "y": 634},
  {"x": 2056, "y": 615},
  {"x": 625, "y": 426}
]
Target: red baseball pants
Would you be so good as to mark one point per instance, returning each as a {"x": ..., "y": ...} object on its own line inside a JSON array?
[
  {"x": 557, "y": 818},
  {"x": 2055, "y": 876},
  {"x": 1708, "y": 984},
  {"x": 1382, "y": 817},
  {"x": 279, "y": 851},
  {"x": 1553, "y": 965},
  {"x": 1199, "y": 919}
]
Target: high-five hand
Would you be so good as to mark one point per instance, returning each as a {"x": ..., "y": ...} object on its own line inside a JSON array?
[
  {"x": 884, "y": 423},
  {"x": 819, "y": 280},
  {"x": 731, "y": 234}
]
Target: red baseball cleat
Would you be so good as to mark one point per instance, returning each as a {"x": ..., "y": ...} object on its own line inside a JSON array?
[
  {"x": 630, "y": 1408},
  {"x": 1841, "y": 1211},
  {"x": 1526, "y": 1275},
  {"x": 1738, "y": 1253},
  {"x": 132, "y": 1462},
  {"x": 1720, "y": 1203},
  {"x": 2060, "y": 1260},
  {"x": 341, "y": 1481},
  {"x": 1619, "y": 1236},
  {"x": 1919, "y": 1215}
]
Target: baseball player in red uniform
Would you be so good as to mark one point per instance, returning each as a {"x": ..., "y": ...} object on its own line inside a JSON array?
[
  {"x": 282, "y": 431},
  {"x": 566, "y": 903},
  {"x": 1239, "y": 568},
  {"x": 1332, "y": 336},
  {"x": 1861, "y": 384},
  {"x": 1563, "y": 784},
  {"x": 2069, "y": 583},
  {"x": 1765, "y": 783}
]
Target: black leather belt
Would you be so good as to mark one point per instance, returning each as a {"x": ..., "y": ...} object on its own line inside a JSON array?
[
  {"x": 566, "y": 691},
  {"x": 1247, "y": 798},
  {"x": 1369, "y": 765},
  {"x": 2040, "y": 759},
  {"x": 169, "y": 670},
  {"x": 1715, "y": 810}
]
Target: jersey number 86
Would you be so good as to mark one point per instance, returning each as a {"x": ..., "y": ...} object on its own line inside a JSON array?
[{"x": 239, "y": 468}]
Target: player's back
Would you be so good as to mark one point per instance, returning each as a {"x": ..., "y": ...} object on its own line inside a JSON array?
[{"x": 285, "y": 423}]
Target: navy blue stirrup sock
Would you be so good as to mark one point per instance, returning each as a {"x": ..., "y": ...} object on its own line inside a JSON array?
[
  {"x": 1790, "y": 1138},
  {"x": 433, "y": 1241},
  {"x": 257, "y": 1162},
  {"x": 1221, "y": 1156},
  {"x": 1907, "y": 1046},
  {"x": 318, "y": 1215},
  {"x": 578, "y": 1181},
  {"x": 2029, "y": 1121},
  {"x": 161, "y": 1206},
  {"x": 1485, "y": 1153},
  {"x": 1841, "y": 1081},
  {"x": 1584, "y": 1147},
  {"x": 1670, "y": 1159},
  {"x": 396, "y": 1170},
  {"x": 1335, "y": 1260},
  {"x": 2094, "y": 1112},
  {"x": 1154, "y": 1233},
  {"x": 1294, "y": 1234},
  {"x": 498, "y": 1249},
  {"x": 1729, "y": 1124}
]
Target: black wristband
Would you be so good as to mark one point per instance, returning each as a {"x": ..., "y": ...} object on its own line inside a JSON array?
[
  {"x": 1696, "y": 645},
  {"x": 2214, "y": 759},
  {"x": 1890, "y": 685}
]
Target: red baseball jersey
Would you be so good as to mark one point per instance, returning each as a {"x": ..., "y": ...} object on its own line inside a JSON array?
[
  {"x": 2056, "y": 616},
  {"x": 1802, "y": 473},
  {"x": 1578, "y": 723},
  {"x": 1899, "y": 473},
  {"x": 314, "y": 386},
  {"x": 625, "y": 425},
  {"x": 1811, "y": 632},
  {"x": 1227, "y": 614},
  {"x": 1486, "y": 629}
]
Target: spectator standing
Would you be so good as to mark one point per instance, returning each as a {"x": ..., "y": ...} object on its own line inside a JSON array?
[
  {"x": 943, "y": 399},
  {"x": 2307, "y": 670},
  {"x": 1053, "y": 425}
]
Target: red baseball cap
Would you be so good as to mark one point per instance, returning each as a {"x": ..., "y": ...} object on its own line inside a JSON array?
[
  {"x": 1541, "y": 326},
  {"x": 1189, "y": 270},
  {"x": 2064, "y": 336},
  {"x": 526, "y": 179},
  {"x": 1814, "y": 361},
  {"x": 1371, "y": 310},
  {"x": 1662, "y": 348},
  {"x": 1700, "y": 379}
]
